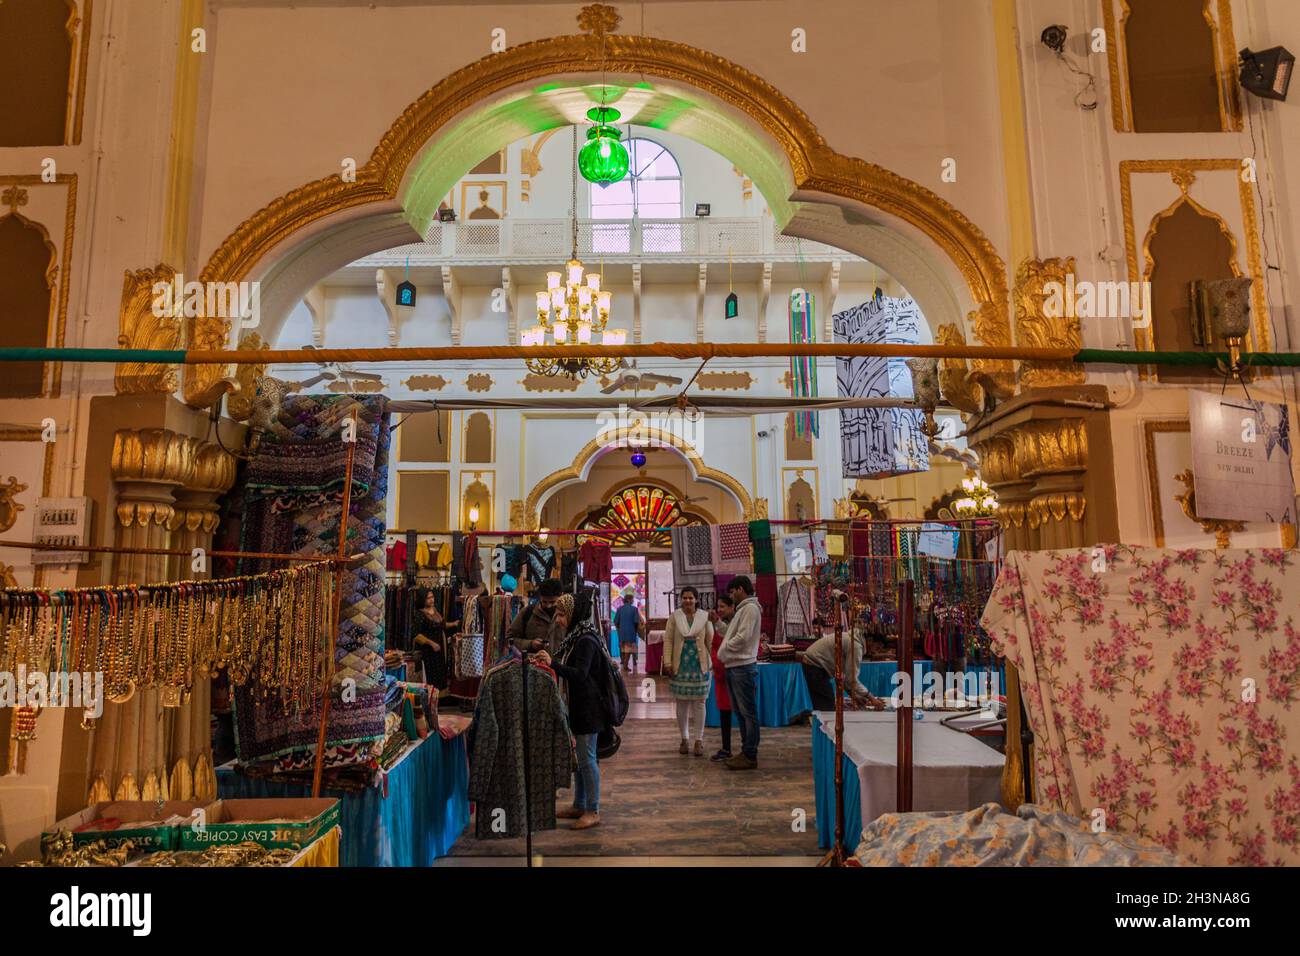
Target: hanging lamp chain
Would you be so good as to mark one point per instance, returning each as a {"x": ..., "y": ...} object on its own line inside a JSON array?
[{"x": 573, "y": 194}]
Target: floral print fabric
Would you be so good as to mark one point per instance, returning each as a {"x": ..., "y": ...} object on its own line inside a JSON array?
[{"x": 1163, "y": 688}]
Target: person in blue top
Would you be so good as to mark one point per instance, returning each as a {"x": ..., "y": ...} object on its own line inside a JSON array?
[{"x": 627, "y": 624}]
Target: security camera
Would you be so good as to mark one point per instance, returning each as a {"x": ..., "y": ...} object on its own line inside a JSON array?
[{"x": 1054, "y": 38}]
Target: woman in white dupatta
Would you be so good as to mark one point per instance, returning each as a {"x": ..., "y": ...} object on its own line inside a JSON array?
[{"x": 688, "y": 639}]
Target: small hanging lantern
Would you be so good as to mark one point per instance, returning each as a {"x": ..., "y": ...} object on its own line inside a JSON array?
[{"x": 604, "y": 159}]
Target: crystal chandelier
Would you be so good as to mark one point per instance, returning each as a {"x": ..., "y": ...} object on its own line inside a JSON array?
[
  {"x": 979, "y": 500},
  {"x": 572, "y": 310}
]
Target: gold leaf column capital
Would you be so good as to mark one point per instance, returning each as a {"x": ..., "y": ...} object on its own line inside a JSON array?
[
  {"x": 140, "y": 328},
  {"x": 1036, "y": 329}
]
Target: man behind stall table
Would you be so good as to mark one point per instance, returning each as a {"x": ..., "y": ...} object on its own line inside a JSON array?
[
  {"x": 535, "y": 628},
  {"x": 819, "y": 672}
]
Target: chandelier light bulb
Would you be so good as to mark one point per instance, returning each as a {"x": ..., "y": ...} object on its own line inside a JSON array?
[
  {"x": 543, "y": 302},
  {"x": 603, "y": 302},
  {"x": 584, "y": 333},
  {"x": 575, "y": 272},
  {"x": 561, "y": 330},
  {"x": 584, "y": 296},
  {"x": 593, "y": 281},
  {"x": 557, "y": 297},
  {"x": 552, "y": 280},
  {"x": 615, "y": 337}
]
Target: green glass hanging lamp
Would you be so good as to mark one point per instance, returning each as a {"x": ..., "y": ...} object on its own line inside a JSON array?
[{"x": 604, "y": 159}]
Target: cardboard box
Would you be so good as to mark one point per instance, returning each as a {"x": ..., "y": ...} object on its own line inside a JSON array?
[
  {"x": 301, "y": 820},
  {"x": 146, "y": 838}
]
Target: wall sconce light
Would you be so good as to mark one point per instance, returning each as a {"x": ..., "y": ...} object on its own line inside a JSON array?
[
  {"x": 1268, "y": 72},
  {"x": 473, "y": 516}
]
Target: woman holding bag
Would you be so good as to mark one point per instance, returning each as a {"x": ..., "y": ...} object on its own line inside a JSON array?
[{"x": 688, "y": 642}]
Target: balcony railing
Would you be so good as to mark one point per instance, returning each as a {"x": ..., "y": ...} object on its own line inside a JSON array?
[{"x": 550, "y": 240}]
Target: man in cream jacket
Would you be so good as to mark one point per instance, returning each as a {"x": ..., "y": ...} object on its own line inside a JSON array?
[{"x": 739, "y": 653}]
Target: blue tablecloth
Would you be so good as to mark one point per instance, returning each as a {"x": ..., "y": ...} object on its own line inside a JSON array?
[
  {"x": 823, "y": 754},
  {"x": 877, "y": 677},
  {"x": 782, "y": 697},
  {"x": 424, "y": 811}
]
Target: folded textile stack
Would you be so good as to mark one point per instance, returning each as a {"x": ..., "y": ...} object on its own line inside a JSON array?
[
  {"x": 989, "y": 836},
  {"x": 780, "y": 652}
]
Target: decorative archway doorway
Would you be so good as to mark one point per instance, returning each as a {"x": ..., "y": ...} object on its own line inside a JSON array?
[
  {"x": 638, "y": 512},
  {"x": 619, "y": 440},
  {"x": 944, "y": 259}
]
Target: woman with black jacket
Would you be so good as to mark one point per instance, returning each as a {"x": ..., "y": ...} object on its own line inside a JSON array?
[{"x": 579, "y": 662}]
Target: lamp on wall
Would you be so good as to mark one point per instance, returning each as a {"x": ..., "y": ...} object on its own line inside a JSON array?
[
  {"x": 473, "y": 516},
  {"x": 1268, "y": 72}
]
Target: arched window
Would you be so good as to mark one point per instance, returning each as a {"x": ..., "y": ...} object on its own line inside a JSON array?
[
  {"x": 478, "y": 438},
  {"x": 652, "y": 188}
]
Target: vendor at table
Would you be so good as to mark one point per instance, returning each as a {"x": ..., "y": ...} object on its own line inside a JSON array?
[{"x": 819, "y": 672}]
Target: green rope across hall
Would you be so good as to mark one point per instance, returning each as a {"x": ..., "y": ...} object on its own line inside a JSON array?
[{"x": 1128, "y": 357}]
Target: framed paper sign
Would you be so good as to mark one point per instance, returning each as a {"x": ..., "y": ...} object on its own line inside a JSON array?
[{"x": 1241, "y": 459}]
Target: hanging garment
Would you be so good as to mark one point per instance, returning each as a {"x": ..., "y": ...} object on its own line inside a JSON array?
[
  {"x": 422, "y": 555},
  {"x": 794, "y": 619},
  {"x": 541, "y": 561},
  {"x": 396, "y": 556},
  {"x": 879, "y": 441},
  {"x": 1131, "y": 681},
  {"x": 510, "y": 772},
  {"x": 569, "y": 570},
  {"x": 442, "y": 560},
  {"x": 597, "y": 563}
]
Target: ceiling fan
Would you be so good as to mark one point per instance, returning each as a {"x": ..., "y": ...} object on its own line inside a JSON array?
[
  {"x": 336, "y": 372},
  {"x": 630, "y": 376}
]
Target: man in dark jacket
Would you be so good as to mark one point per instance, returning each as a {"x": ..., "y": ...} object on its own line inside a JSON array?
[{"x": 534, "y": 629}]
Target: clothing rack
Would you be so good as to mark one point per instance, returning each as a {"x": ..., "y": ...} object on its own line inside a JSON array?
[{"x": 251, "y": 555}]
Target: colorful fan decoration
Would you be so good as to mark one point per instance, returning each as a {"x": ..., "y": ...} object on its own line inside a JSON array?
[
  {"x": 803, "y": 369},
  {"x": 635, "y": 513}
]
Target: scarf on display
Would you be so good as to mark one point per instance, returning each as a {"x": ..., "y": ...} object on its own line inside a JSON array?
[
  {"x": 292, "y": 505},
  {"x": 729, "y": 544},
  {"x": 693, "y": 560},
  {"x": 760, "y": 536},
  {"x": 1131, "y": 679}
]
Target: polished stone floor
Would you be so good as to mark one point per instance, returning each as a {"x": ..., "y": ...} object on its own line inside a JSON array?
[{"x": 661, "y": 808}]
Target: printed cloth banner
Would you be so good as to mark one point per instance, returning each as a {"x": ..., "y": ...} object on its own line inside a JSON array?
[
  {"x": 731, "y": 548},
  {"x": 879, "y": 441},
  {"x": 1163, "y": 688}
]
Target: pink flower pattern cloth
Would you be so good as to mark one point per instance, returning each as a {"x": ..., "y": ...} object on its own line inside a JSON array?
[{"x": 1162, "y": 687}]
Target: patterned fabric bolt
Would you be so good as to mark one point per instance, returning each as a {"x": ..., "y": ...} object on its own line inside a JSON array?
[{"x": 1162, "y": 688}]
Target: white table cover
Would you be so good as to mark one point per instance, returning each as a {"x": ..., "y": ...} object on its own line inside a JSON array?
[{"x": 950, "y": 770}]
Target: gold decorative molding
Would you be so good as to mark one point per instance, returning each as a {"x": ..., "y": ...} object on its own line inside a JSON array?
[
  {"x": 1225, "y": 64},
  {"x": 725, "y": 381},
  {"x": 1048, "y": 447},
  {"x": 7, "y": 578},
  {"x": 627, "y": 386},
  {"x": 655, "y": 437},
  {"x": 239, "y": 405},
  {"x": 757, "y": 511},
  {"x": 549, "y": 383},
  {"x": 426, "y": 383},
  {"x": 479, "y": 382},
  {"x": 955, "y": 383},
  {"x": 1222, "y": 530},
  {"x": 1183, "y": 174},
  {"x": 991, "y": 327},
  {"x": 521, "y": 519},
  {"x": 353, "y": 386},
  {"x": 139, "y": 328},
  {"x": 598, "y": 18},
  {"x": 1036, "y": 329},
  {"x": 815, "y": 167},
  {"x": 1055, "y": 507},
  {"x": 9, "y": 508}
]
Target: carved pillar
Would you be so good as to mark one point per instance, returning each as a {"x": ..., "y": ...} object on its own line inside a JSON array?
[
  {"x": 128, "y": 760},
  {"x": 1047, "y": 453},
  {"x": 193, "y": 524}
]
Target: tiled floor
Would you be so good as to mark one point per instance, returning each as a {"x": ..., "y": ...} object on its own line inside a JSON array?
[{"x": 659, "y": 808}]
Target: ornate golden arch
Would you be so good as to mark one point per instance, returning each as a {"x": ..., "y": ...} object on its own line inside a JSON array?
[
  {"x": 589, "y": 451},
  {"x": 815, "y": 167}
]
